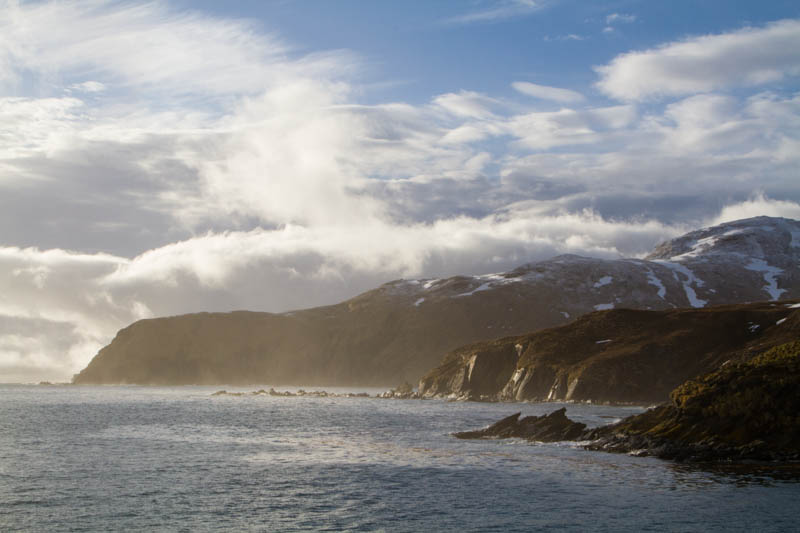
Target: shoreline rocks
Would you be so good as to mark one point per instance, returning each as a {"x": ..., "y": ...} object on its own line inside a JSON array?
[
  {"x": 403, "y": 392},
  {"x": 554, "y": 427},
  {"x": 746, "y": 411},
  {"x": 299, "y": 394}
]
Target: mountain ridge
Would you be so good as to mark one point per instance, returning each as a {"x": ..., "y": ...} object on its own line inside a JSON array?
[{"x": 399, "y": 331}]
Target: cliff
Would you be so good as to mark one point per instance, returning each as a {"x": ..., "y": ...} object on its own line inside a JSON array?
[
  {"x": 744, "y": 411},
  {"x": 400, "y": 330},
  {"x": 613, "y": 356}
]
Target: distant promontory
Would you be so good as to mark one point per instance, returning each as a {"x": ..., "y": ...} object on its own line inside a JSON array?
[{"x": 401, "y": 330}]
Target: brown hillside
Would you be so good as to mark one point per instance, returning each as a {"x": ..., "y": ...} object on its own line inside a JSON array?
[{"x": 613, "y": 356}]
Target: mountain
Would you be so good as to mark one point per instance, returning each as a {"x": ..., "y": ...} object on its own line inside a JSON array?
[
  {"x": 620, "y": 355},
  {"x": 400, "y": 330}
]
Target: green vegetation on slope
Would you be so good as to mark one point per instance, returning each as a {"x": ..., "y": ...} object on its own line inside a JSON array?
[{"x": 749, "y": 409}]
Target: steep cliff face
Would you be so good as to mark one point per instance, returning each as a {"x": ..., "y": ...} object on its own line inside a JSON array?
[
  {"x": 478, "y": 370},
  {"x": 613, "y": 356},
  {"x": 400, "y": 330},
  {"x": 745, "y": 410}
]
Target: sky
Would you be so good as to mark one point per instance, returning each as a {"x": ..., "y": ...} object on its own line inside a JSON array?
[{"x": 167, "y": 157}]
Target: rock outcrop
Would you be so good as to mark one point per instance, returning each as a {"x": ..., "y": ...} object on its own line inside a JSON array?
[
  {"x": 400, "y": 330},
  {"x": 616, "y": 356},
  {"x": 555, "y": 427},
  {"x": 748, "y": 410},
  {"x": 742, "y": 412}
]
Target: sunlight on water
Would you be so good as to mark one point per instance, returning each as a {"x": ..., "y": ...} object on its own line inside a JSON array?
[{"x": 99, "y": 458}]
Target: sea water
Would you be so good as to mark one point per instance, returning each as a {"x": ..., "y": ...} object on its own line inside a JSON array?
[{"x": 79, "y": 458}]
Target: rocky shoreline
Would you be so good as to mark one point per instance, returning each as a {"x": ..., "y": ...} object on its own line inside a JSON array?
[
  {"x": 746, "y": 411},
  {"x": 403, "y": 392}
]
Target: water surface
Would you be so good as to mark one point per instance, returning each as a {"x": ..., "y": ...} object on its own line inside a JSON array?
[{"x": 144, "y": 458}]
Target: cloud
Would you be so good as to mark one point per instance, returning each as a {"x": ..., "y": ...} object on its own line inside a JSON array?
[
  {"x": 759, "y": 205},
  {"x": 52, "y": 312},
  {"x": 272, "y": 187},
  {"x": 501, "y": 10},
  {"x": 88, "y": 87},
  {"x": 30, "y": 125},
  {"x": 146, "y": 46},
  {"x": 544, "y": 130},
  {"x": 544, "y": 92},
  {"x": 620, "y": 18},
  {"x": 683, "y": 163},
  {"x": 743, "y": 58},
  {"x": 58, "y": 308},
  {"x": 567, "y": 37},
  {"x": 466, "y": 104}
]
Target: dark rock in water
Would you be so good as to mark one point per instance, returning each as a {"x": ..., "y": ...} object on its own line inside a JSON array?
[{"x": 554, "y": 427}]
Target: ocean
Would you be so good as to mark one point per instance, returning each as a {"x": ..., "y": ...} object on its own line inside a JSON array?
[{"x": 81, "y": 458}]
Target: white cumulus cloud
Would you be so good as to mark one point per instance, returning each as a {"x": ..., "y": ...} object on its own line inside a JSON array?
[
  {"x": 759, "y": 205},
  {"x": 746, "y": 57}
]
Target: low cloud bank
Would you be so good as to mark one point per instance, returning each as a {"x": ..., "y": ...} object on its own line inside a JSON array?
[{"x": 58, "y": 308}]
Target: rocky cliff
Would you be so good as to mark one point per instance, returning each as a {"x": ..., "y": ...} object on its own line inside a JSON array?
[
  {"x": 400, "y": 330},
  {"x": 619, "y": 355},
  {"x": 746, "y": 410}
]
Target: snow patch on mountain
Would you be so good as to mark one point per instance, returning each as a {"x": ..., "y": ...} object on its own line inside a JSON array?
[
  {"x": 698, "y": 247},
  {"x": 654, "y": 280},
  {"x": 602, "y": 282},
  {"x": 691, "y": 295},
  {"x": 484, "y": 287},
  {"x": 770, "y": 274},
  {"x": 494, "y": 280}
]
